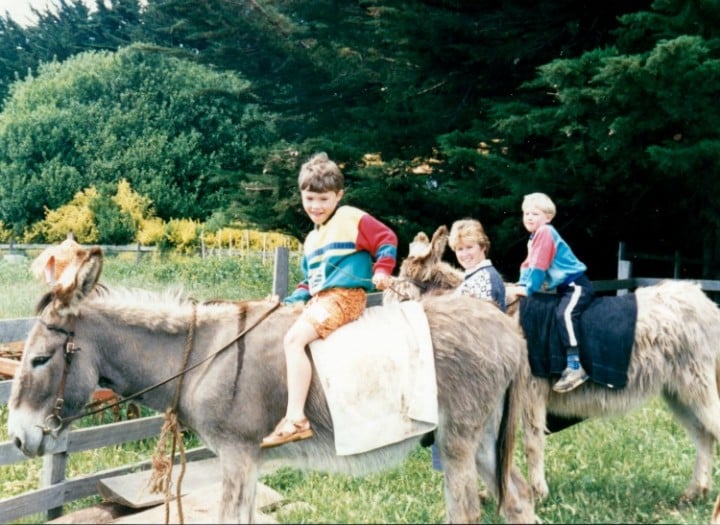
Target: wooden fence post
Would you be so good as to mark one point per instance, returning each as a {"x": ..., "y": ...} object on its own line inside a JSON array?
[
  {"x": 53, "y": 472},
  {"x": 281, "y": 272}
]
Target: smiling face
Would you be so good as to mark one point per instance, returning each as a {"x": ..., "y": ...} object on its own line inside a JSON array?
[
  {"x": 469, "y": 254},
  {"x": 320, "y": 205},
  {"x": 534, "y": 218}
]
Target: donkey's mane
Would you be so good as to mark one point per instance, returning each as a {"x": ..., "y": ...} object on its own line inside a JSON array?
[{"x": 168, "y": 310}]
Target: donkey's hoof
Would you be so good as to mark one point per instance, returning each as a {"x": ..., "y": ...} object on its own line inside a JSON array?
[
  {"x": 484, "y": 495},
  {"x": 540, "y": 490}
]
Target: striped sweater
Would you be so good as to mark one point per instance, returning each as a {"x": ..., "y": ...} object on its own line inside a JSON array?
[{"x": 340, "y": 253}]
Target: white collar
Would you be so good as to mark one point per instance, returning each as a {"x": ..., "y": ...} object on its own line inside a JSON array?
[{"x": 482, "y": 264}]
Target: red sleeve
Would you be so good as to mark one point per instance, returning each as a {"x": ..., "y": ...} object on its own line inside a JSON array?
[
  {"x": 380, "y": 241},
  {"x": 542, "y": 250}
]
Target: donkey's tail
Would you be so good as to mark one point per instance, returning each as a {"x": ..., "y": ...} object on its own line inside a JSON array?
[{"x": 505, "y": 443}]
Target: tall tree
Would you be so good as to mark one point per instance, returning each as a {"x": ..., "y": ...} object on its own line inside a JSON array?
[
  {"x": 63, "y": 29},
  {"x": 386, "y": 77},
  {"x": 625, "y": 138},
  {"x": 166, "y": 125}
]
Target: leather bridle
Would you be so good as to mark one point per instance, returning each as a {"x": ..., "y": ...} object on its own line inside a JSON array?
[{"x": 54, "y": 422}]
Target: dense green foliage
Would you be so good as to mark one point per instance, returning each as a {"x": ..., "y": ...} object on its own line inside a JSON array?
[
  {"x": 436, "y": 109},
  {"x": 166, "y": 125}
]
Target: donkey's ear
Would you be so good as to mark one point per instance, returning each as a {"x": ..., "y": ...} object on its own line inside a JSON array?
[
  {"x": 77, "y": 280},
  {"x": 439, "y": 242},
  {"x": 420, "y": 246},
  {"x": 51, "y": 264}
]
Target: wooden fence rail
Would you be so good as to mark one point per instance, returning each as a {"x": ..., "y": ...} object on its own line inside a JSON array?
[{"x": 56, "y": 490}]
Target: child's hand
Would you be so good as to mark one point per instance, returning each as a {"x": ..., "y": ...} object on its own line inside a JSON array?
[
  {"x": 381, "y": 281},
  {"x": 515, "y": 291}
]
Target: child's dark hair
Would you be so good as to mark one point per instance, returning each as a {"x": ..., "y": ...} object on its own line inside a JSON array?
[{"x": 320, "y": 174}]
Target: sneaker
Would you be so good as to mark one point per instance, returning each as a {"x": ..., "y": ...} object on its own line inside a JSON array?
[
  {"x": 570, "y": 379},
  {"x": 286, "y": 432}
]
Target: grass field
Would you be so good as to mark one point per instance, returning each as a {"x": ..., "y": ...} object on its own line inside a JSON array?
[{"x": 629, "y": 469}]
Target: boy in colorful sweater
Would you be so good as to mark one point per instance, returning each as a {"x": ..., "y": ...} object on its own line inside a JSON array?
[
  {"x": 347, "y": 254},
  {"x": 552, "y": 266}
]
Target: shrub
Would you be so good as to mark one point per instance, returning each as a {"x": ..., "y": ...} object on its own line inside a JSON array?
[
  {"x": 5, "y": 233},
  {"x": 114, "y": 225},
  {"x": 248, "y": 239},
  {"x": 182, "y": 234},
  {"x": 75, "y": 216},
  {"x": 150, "y": 231}
]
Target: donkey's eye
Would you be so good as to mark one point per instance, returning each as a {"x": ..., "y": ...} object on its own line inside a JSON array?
[{"x": 39, "y": 360}]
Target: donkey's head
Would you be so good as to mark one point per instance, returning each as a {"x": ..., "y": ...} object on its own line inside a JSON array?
[
  {"x": 41, "y": 396},
  {"x": 424, "y": 270}
]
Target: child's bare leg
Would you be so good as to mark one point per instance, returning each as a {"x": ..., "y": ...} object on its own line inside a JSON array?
[
  {"x": 299, "y": 369},
  {"x": 295, "y": 426}
]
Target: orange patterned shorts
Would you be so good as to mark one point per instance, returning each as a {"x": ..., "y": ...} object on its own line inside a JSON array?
[{"x": 330, "y": 309}]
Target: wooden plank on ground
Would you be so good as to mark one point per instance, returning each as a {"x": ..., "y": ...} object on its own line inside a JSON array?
[
  {"x": 201, "y": 506},
  {"x": 101, "y": 513},
  {"x": 132, "y": 490}
]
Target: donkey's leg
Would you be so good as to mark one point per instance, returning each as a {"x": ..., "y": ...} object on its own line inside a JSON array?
[
  {"x": 457, "y": 453},
  {"x": 239, "y": 483},
  {"x": 534, "y": 416},
  {"x": 518, "y": 507},
  {"x": 701, "y": 418}
]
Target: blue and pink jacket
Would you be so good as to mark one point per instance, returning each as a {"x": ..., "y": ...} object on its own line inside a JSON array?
[
  {"x": 550, "y": 262},
  {"x": 340, "y": 253}
]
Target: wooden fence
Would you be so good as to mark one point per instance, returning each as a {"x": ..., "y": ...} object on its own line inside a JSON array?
[
  {"x": 239, "y": 249},
  {"x": 56, "y": 489}
]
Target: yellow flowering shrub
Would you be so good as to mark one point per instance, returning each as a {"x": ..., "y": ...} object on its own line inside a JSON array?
[
  {"x": 182, "y": 234},
  {"x": 151, "y": 231},
  {"x": 247, "y": 239},
  {"x": 75, "y": 217},
  {"x": 137, "y": 206}
]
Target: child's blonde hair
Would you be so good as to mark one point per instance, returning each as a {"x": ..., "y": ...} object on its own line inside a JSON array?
[
  {"x": 540, "y": 201},
  {"x": 320, "y": 174},
  {"x": 470, "y": 231}
]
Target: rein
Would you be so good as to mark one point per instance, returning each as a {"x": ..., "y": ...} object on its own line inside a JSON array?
[
  {"x": 54, "y": 422},
  {"x": 509, "y": 306}
]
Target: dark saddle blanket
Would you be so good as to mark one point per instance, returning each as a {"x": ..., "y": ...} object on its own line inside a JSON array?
[{"x": 606, "y": 338}]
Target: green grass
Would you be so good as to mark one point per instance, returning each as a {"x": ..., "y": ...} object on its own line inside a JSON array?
[
  {"x": 231, "y": 278},
  {"x": 629, "y": 469}
]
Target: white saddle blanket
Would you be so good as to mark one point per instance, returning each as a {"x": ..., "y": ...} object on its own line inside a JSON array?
[{"x": 378, "y": 374}]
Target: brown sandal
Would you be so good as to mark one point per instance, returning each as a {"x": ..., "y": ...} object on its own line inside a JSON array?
[{"x": 286, "y": 432}]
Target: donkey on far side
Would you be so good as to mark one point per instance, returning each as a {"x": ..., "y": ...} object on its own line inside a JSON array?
[{"x": 675, "y": 354}]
